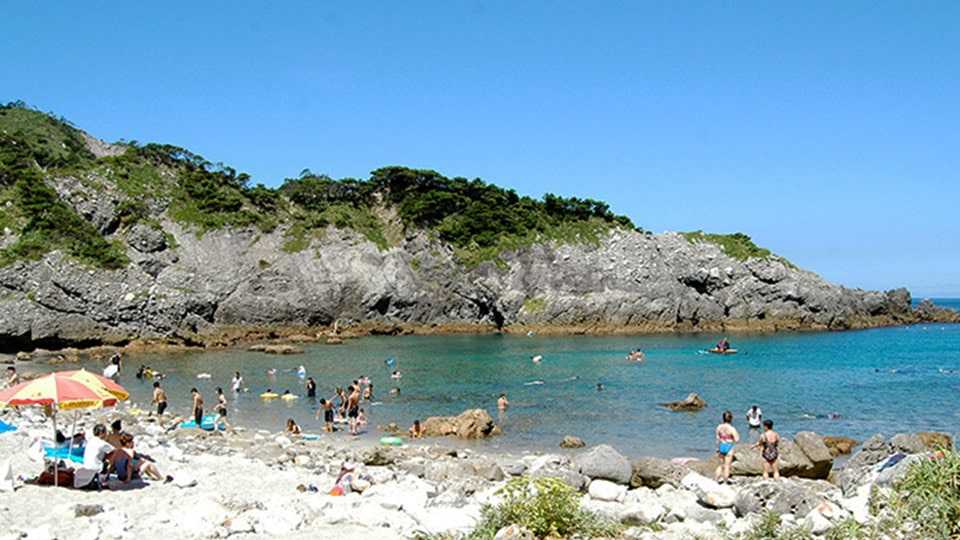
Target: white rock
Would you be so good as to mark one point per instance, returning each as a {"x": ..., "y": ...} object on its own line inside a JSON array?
[
  {"x": 605, "y": 490},
  {"x": 709, "y": 492},
  {"x": 282, "y": 441},
  {"x": 276, "y": 521},
  {"x": 514, "y": 532},
  {"x": 302, "y": 461},
  {"x": 817, "y": 523},
  {"x": 642, "y": 514},
  {"x": 859, "y": 505}
]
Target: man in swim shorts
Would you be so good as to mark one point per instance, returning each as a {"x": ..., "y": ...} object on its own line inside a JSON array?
[
  {"x": 197, "y": 406},
  {"x": 159, "y": 397},
  {"x": 353, "y": 409}
]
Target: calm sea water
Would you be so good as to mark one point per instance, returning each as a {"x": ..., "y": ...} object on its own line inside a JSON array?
[{"x": 845, "y": 383}]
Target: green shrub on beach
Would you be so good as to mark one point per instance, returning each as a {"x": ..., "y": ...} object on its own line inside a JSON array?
[
  {"x": 928, "y": 497},
  {"x": 545, "y": 506}
]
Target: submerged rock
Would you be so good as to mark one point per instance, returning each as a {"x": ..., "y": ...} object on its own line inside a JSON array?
[
  {"x": 276, "y": 349},
  {"x": 470, "y": 424},
  {"x": 572, "y": 442},
  {"x": 692, "y": 402}
]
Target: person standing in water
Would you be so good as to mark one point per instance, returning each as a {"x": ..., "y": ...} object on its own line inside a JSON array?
[
  {"x": 326, "y": 407},
  {"x": 237, "y": 382},
  {"x": 159, "y": 397},
  {"x": 727, "y": 437},
  {"x": 353, "y": 409},
  {"x": 754, "y": 419},
  {"x": 221, "y": 408},
  {"x": 769, "y": 445},
  {"x": 197, "y": 406},
  {"x": 311, "y": 387},
  {"x": 502, "y": 402}
]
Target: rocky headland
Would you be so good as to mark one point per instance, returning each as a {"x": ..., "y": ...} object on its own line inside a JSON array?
[{"x": 123, "y": 244}]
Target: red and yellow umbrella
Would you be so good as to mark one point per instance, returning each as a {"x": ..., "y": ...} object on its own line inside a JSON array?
[{"x": 66, "y": 390}]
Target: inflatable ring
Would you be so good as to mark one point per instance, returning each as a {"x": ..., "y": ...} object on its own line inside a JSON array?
[
  {"x": 391, "y": 441},
  {"x": 269, "y": 395},
  {"x": 289, "y": 397}
]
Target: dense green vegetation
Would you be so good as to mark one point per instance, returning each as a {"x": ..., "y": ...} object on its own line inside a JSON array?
[
  {"x": 479, "y": 220},
  {"x": 737, "y": 245}
]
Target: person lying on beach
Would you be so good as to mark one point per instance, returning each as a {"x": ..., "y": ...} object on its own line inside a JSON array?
[
  {"x": 416, "y": 430},
  {"x": 292, "y": 427}
]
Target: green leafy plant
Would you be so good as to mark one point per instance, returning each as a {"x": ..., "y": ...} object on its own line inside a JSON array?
[
  {"x": 928, "y": 497},
  {"x": 545, "y": 506},
  {"x": 737, "y": 245}
]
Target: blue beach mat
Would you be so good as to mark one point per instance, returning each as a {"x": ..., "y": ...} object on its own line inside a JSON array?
[
  {"x": 64, "y": 453},
  {"x": 206, "y": 424},
  {"x": 5, "y": 427}
]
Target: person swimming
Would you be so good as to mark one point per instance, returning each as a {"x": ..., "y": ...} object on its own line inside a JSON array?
[{"x": 537, "y": 359}]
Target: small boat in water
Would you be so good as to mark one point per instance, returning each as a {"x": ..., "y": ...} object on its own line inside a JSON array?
[{"x": 719, "y": 351}]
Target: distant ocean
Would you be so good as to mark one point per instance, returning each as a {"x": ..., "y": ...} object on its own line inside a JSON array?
[{"x": 853, "y": 383}]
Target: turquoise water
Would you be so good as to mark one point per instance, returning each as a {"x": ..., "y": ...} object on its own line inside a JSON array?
[{"x": 883, "y": 380}]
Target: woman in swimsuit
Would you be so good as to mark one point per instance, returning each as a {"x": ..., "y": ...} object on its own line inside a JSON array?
[
  {"x": 727, "y": 437},
  {"x": 769, "y": 444}
]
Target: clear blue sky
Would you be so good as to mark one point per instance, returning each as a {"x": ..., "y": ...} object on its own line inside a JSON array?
[{"x": 826, "y": 130}]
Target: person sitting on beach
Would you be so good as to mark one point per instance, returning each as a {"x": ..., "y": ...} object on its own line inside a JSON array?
[
  {"x": 159, "y": 397},
  {"x": 344, "y": 482},
  {"x": 416, "y": 430},
  {"x": 130, "y": 464},
  {"x": 326, "y": 406},
  {"x": 754, "y": 417},
  {"x": 727, "y": 437},
  {"x": 12, "y": 377},
  {"x": 769, "y": 444},
  {"x": 502, "y": 402},
  {"x": 311, "y": 387},
  {"x": 95, "y": 453},
  {"x": 292, "y": 427},
  {"x": 116, "y": 432}
]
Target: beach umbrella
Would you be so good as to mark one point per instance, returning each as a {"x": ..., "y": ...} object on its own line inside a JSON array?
[{"x": 65, "y": 390}]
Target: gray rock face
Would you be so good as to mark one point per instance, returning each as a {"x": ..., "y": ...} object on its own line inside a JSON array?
[
  {"x": 605, "y": 463},
  {"x": 655, "y": 472},
  {"x": 199, "y": 284},
  {"x": 780, "y": 497}
]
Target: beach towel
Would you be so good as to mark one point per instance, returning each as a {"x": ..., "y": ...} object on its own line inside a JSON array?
[{"x": 5, "y": 427}]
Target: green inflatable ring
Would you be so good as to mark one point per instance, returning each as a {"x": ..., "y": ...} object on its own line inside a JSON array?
[{"x": 391, "y": 441}]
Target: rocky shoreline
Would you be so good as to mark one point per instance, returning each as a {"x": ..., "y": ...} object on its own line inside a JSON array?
[{"x": 257, "y": 484}]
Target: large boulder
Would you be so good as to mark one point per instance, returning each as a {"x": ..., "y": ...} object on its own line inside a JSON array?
[
  {"x": 748, "y": 461},
  {"x": 840, "y": 446},
  {"x": 470, "y": 424},
  {"x": 693, "y": 402},
  {"x": 816, "y": 450},
  {"x": 793, "y": 497},
  {"x": 654, "y": 472},
  {"x": 605, "y": 463},
  {"x": 918, "y": 443}
]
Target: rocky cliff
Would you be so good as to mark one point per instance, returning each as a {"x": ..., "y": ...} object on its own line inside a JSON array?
[{"x": 183, "y": 283}]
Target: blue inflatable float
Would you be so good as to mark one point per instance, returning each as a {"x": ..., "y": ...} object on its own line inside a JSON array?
[{"x": 206, "y": 424}]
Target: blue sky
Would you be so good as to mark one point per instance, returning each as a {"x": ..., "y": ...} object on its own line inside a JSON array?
[{"x": 828, "y": 131}]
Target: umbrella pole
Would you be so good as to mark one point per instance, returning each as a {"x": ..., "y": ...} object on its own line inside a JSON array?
[
  {"x": 56, "y": 460},
  {"x": 73, "y": 431}
]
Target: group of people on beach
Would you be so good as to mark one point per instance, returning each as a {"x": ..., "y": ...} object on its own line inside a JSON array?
[{"x": 768, "y": 443}]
